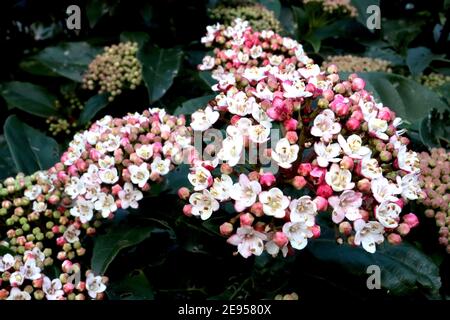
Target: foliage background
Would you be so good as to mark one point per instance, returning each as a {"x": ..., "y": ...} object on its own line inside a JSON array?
[{"x": 155, "y": 252}]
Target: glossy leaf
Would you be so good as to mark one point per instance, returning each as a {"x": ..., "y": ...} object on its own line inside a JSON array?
[
  {"x": 159, "y": 68},
  {"x": 418, "y": 59},
  {"x": 30, "y": 98},
  {"x": 192, "y": 105},
  {"x": 31, "y": 150},
  {"x": 92, "y": 107},
  {"x": 7, "y": 168}
]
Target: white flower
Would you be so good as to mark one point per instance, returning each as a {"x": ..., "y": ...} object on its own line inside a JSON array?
[
  {"x": 263, "y": 91},
  {"x": 39, "y": 206},
  {"x": 353, "y": 147},
  {"x": 383, "y": 190},
  {"x": 145, "y": 151},
  {"x": 324, "y": 126},
  {"x": 311, "y": 70},
  {"x": 17, "y": 294},
  {"x": 240, "y": 104},
  {"x": 94, "y": 285},
  {"x": 273, "y": 249},
  {"x": 109, "y": 175},
  {"x": 256, "y": 51},
  {"x": 346, "y": 206},
  {"x": 203, "y": 204},
  {"x": 259, "y": 133},
  {"x": 34, "y": 192},
  {"x": 410, "y": 186},
  {"x": 388, "y": 214},
  {"x": 208, "y": 63},
  {"x": 6, "y": 262},
  {"x": 245, "y": 192},
  {"x": 106, "y": 162},
  {"x": 274, "y": 202},
  {"x": 129, "y": 196},
  {"x": 370, "y": 168},
  {"x": 75, "y": 188},
  {"x": 297, "y": 233},
  {"x": 83, "y": 209},
  {"x": 276, "y": 60},
  {"x": 160, "y": 166},
  {"x": 378, "y": 127},
  {"x": 139, "y": 174},
  {"x": 285, "y": 153},
  {"x": 30, "y": 271},
  {"x": 408, "y": 160},
  {"x": 326, "y": 153},
  {"x": 202, "y": 120},
  {"x": 71, "y": 234},
  {"x": 260, "y": 115},
  {"x": 105, "y": 204},
  {"x": 303, "y": 210},
  {"x": 248, "y": 241},
  {"x": 221, "y": 187},
  {"x": 243, "y": 57},
  {"x": 254, "y": 73},
  {"x": 368, "y": 234},
  {"x": 35, "y": 254},
  {"x": 16, "y": 279},
  {"x": 369, "y": 109},
  {"x": 52, "y": 289},
  {"x": 339, "y": 179},
  {"x": 296, "y": 89},
  {"x": 200, "y": 178},
  {"x": 231, "y": 150}
]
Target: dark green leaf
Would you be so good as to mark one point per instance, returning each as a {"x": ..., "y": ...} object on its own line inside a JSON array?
[
  {"x": 134, "y": 286},
  {"x": 385, "y": 54},
  {"x": 418, "y": 59},
  {"x": 404, "y": 269},
  {"x": 361, "y": 6},
  {"x": 119, "y": 237},
  {"x": 69, "y": 59},
  {"x": 30, "y": 149},
  {"x": 95, "y": 9},
  {"x": 35, "y": 67},
  {"x": 410, "y": 100},
  {"x": 29, "y": 98},
  {"x": 93, "y": 105},
  {"x": 159, "y": 68},
  {"x": 434, "y": 129},
  {"x": 7, "y": 168},
  {"x": 206, "y": 76},
  {"x": 193, "y": 105}
]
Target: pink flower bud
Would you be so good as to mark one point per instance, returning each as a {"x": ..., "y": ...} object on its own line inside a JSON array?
[
  {"x": 332, "y": 68},
  {"x": 352, "y": 124},
  {"x": 384, "y": 114},
  {"x": 364, "y": 185},
  {"x": 394, "y": 238},
  {"x": 257, "y": 209},
  {"x": 37, "y": 283},
  {"x": 328, "y": 94},
  {"x": 298, "y": 182},
  {"x": 290, "y": 124},
  {"x": 68, "y": 288},
  {"x": 358, "y": 115},
  {"x": 67, "y": 266},
  {"x": 246, "y": 219},
  {"x": 60, "y": 241},
  {"x": 187, "y": 210},
  {"x": 280, "y": 239},
  {"x": 341, "y": 109},
  {"x": 292, "y": 137},
  {"x": 183, "y": 193},
  {"x": 403, "y": 229},
  {"x": 364, "y": 214},
  {"x": 358, "y": 84},
  {"x": 324, "y": 191},
  {"x": 315, "y": 231},
  {"x": 304, "y": 169},
  {"x": 115, "y": 189},
  {"x": 253, "y": 176},
  {"x": 347, "y": 163},
  {"x": 234, "y": 119},
  {"x": 226, "y": 229},
  {"x": 226, "y": 168},
  {"x": 267, "y": 179},
  {"x": 345, "y": 228},
  {"x": 411, "y": 219},
  {"x": 321, "y": 203}
]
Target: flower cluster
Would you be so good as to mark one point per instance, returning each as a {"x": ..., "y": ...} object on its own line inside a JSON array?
[
  {"x": 49, "y": 215},
  {"x": 288, "y": 296},
  {"x": 336, "y": 139},
  {"x": 434, "y": 80},
  {"x": 350, "y": 63},
  {"x": 435, "y": 181},
  {"x": 336, "y": 6},
  {"x": 70, "y": 106},
  {"x": 114, "y": 70},
  {"x": 258, "y": 16}
]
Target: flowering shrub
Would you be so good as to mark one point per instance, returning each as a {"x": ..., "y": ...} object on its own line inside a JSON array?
[{"x": 349, "y": 63}]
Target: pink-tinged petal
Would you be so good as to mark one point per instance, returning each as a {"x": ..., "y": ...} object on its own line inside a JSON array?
[
  {"x": 337, "y": 216},
  {"x": 234, "y": 240}
]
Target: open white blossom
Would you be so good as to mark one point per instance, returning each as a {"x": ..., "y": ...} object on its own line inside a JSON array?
[
  {"x": 200, "y": 178},
  {"x": 129, "y": 196},
  {"x": 145, "y": 151},
  {"x": 327, "y": 153},
  {"x": 339, "y": 179},
  {"x": 370, "y": 168},
  {"x": 204, "y": 119},
  {"x": 387, "y": 213},
  {"x": 378, "y": 127},
  {"x": 245, "y": 192},
  {"x": 353, "y": 147},
  {"x": 160, "y": 166},
  {"x": 408, "y": 160},
  {"x": 52, "y": 289},
  {"x": 297, "y": 233},
  {"x": 303, "y": 210},
  {"x": 259, "y": 133},
  {"x": 231, "y": 150},
  {"x": 221, "y": 187},
  {"x": 368, "y": 234},
  {"x": 33, "y": 192},
  {"x": 139, "y": 174},
  {"x": 248, "y": 241},
  {"x": 285, "y": 153},
  {"x": 105, "y": 204},
  {"x": 17, "y": 294},
  {"x": 83, "y": 209},
  {"x": 109, "y": 175},
  {"x": 384, "y": 190},
  {"x": 94, "y": 285},
  {"x": 75, "y": 187},
  {"x": 274, "y": 202},
  {"x": 409, "y": 186},
  {"x": 30, "y": 271},
  {"x": 324, "y": 126},
  {"x": 203, "y": 204}
]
